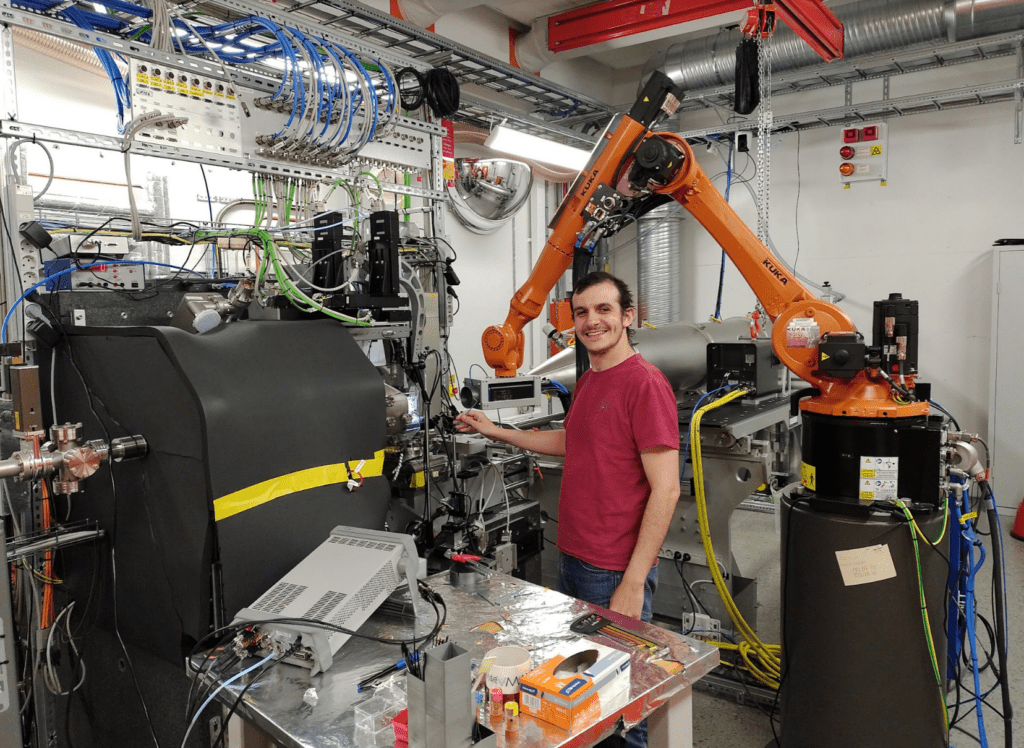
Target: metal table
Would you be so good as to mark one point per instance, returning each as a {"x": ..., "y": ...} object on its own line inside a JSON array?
[{"x": 529, "y": 616}]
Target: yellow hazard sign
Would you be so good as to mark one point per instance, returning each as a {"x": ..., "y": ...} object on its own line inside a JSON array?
[
  {"x": 808, "y": 476},
  {"x": 876, "y": 150}
]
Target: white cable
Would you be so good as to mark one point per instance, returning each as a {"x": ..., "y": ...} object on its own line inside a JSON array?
[
  {"x": 133, "y": 128},
  {"x": 50, "y": 675},
  {"x": 10, "y": 507},
  {"x": 14, "y": 164},
  {"x": 221, "y": 687},
  {"x": 504, "y": 489}
]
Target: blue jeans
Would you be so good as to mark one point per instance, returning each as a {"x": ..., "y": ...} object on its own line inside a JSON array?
[{"x": 595, "y": 585}]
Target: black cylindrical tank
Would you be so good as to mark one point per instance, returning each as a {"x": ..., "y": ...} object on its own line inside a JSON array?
[
  {"x": 857, "y": 671},
  {"x": 897, "y": 456}
]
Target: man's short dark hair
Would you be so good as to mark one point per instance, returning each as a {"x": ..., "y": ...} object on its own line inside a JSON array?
[{"x": 599, "y": 276}]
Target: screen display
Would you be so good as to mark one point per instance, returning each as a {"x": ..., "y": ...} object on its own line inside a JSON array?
[{"x": 503, "y": 392}]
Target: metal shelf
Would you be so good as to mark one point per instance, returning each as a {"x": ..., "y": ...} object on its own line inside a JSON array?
[
  {"x": 842, "y": 72},
  {"x": 383, "y": 31},
  {"x": 903, "y": 106}
]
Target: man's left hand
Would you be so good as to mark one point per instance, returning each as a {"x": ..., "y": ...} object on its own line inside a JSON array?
[{"x": 628, "y": 599}]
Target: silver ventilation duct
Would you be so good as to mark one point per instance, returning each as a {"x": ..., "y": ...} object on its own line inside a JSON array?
[
  {"x": 871, "y": 27},
  {"x": 678, "y": 349},
  {"x": 658, "y": 265}
]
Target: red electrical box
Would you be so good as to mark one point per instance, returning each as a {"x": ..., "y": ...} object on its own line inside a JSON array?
[
  {"x": 869, "y": 133},
  {"x": 851, "y": 135}
]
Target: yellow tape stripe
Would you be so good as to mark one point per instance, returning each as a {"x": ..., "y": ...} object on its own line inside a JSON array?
[{"x": 268, "y": 490}]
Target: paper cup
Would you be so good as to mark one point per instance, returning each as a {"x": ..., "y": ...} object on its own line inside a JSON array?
[{"x": 510, "y": 664}]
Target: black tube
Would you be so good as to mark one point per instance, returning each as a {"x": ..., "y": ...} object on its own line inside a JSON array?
[{"x": 1000, "y": 611}]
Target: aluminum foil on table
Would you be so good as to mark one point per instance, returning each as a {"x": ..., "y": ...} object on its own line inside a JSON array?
[{"x": 501, "y": 611}]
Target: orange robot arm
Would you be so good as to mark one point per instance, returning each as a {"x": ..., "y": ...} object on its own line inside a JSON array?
[
  {"x": 667, "y": 166},
  {"x": 503, "y": 346}
]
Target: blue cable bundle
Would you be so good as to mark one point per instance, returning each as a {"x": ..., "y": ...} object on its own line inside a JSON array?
[{"x": 968, "y": 571}]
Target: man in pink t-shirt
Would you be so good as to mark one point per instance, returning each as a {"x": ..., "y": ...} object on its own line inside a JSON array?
[{"x": 621, "y": 445}]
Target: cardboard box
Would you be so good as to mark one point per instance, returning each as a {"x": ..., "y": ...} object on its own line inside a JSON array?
[{"x": 582, "y": 683}]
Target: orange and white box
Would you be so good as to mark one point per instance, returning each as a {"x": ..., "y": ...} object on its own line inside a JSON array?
[{"x": 578, "y": 686}]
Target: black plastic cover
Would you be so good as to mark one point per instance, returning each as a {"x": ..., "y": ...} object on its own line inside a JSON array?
[{"x": 246, "y": 403}]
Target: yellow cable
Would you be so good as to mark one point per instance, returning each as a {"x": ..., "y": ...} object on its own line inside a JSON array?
[{"x": 767, "y": 654}]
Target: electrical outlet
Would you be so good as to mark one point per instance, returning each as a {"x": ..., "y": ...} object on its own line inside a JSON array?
[{"x": 704, "y": 627}]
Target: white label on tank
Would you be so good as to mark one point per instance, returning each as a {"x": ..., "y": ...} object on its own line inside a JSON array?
[{"x": 863, "y": 565}]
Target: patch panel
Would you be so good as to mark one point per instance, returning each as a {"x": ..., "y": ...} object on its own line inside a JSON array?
[
  {"x": 210, "y": 104},
  {"x": 408, "y": 145}
]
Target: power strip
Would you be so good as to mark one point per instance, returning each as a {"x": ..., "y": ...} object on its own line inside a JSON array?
[{"x": 704, "y": 627}]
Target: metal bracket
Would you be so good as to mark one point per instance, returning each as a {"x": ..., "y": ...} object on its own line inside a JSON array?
[
  {"x": 274, "y": 168},
  {"x": 8, "y": 85}
]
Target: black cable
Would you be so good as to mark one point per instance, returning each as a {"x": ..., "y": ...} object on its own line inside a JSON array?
[
  {"x": 421, "y": 88},
  {"x": 442, "y": 89},
  {"x": 943, "y": 410},
  {"x": 234, "y": 628},
  {"x": 238, "y": 701},
  {"x": 999, "y": 591},
  {"x": 690, "y": 597}
]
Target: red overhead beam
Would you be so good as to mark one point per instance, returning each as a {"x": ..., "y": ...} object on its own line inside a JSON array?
[
  {"x": 815, "y": 24},
  {"x": 615, "y": 19}
]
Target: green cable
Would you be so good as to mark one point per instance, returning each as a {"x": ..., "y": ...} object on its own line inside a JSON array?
[
  {"x": 295, "y": 295},
  {"x": 408, "y": 198},
  {"x": 924, "y": 611},
  {"x": 288, "y": 203},
  {"x": 371, "y": 175}
]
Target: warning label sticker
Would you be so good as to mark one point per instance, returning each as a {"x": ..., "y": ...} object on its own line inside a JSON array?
[
  {"x": 807, "y": 476},
  {"x": 877, "y": 490},
  {"x": 883, "y": 468}
]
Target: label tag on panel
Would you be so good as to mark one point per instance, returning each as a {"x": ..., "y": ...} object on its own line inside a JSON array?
[{"x": 864, "y": 565}]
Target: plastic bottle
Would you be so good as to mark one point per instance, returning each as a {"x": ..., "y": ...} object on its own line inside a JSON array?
[{"x": 511, "y": 717}]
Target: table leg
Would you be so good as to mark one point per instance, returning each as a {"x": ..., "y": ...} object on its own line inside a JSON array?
[{"x": 671, "y": 726}]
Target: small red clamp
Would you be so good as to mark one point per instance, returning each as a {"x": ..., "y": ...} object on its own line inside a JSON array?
[
  {"x": 760, "y": 21},
  {"x": 465, "y": 557},
  {"x": 755, "y": 324}
]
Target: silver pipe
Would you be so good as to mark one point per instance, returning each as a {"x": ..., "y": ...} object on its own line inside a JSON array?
[
  {"x": 658, "y": 265},
  {"x": 871, "y": 27},
  {"x": 678, "y": 349}
]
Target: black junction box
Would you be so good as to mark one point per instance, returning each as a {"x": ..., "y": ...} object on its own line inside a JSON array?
[{"x": 749, "y": 362}]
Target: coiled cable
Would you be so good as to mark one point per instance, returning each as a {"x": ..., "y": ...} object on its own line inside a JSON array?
[{"x": 442, "y": 92}]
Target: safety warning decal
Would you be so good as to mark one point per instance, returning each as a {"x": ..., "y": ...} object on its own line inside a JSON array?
[
  {"x": 808, "y": 476},
  {"x": 879, "y": 478},
  {"x": 882, "y": 468}
]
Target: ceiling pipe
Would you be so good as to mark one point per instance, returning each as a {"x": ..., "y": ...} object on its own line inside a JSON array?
[
  {"x": 529, "y": 49},
  {"x": 425, "y": 13},
  {"x": 872, "y": 27}
]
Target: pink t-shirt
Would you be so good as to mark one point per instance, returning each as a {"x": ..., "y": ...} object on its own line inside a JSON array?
[{"x": 615, "y": 415}]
